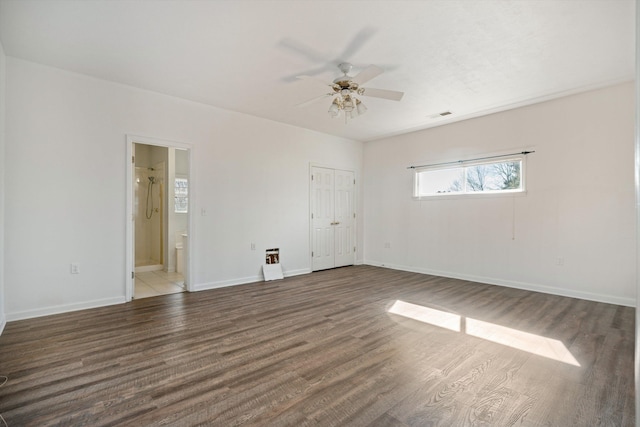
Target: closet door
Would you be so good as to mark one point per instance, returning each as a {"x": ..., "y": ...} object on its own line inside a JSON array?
[{"x": 332, "y": 218}]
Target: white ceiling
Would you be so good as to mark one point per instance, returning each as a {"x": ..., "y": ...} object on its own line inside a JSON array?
[{"x": 467, "y": 57}]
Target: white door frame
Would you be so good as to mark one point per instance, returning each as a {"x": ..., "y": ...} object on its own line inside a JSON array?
[
  {"x": 129, "y": 239},
  {"x": 355, "y": 208}
]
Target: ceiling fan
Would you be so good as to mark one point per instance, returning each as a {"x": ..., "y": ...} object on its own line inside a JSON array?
[{"x": 346, "y": 91}]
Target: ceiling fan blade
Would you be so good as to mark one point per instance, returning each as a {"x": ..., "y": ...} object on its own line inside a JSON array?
[
  {"x": 367, "y": 74},
  {"x": 314, "y": 80},
  {"x": 303, "y": 50},
  {"x": 313, "y": 100},
  {"x": 382, "y": 93},
  {"x": 312, "y": 72},
  {"x": 360, "y": 39}
]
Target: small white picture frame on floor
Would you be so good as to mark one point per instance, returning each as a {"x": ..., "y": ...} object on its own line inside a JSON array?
[{"x": 272, "y": 272}]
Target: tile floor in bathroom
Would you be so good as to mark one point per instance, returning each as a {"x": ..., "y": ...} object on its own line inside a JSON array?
[{"x": 154, "y": 283}]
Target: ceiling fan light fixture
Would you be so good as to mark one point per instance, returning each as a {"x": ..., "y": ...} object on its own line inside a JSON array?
[
  {"x": 350, "y": 105},
  {"x": 360, "y": 107},
  {"x": 346, "y": 90},
  {"x": 334, "y": 109},
  {"x": 347, "y": 104}
]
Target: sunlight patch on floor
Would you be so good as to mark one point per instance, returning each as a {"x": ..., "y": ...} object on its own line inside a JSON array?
[{"x": 525, "y": 341}]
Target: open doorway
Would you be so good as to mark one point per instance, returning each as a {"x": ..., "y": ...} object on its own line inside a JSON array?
[{"x": 158, "y": 206}]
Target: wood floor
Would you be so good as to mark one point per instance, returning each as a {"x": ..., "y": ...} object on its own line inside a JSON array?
[{"x": 324, "y": 350}]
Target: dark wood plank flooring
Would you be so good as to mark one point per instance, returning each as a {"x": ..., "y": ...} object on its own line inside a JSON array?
[{"x": 323, "y": 350}]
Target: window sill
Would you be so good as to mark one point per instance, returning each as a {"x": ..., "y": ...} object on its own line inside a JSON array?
[{"x": 448, "y": 196}]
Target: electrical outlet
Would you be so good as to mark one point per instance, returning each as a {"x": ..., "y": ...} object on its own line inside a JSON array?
[
  {"x": 203, "y": 211},
  {"x": 75, "y": 268},
  {"x": 387, "y": 245},
  {"x": 560, "y": 261},
  {"x": 253, "y": 246}
]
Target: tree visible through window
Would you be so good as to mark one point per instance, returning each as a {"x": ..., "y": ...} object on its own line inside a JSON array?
[{"x": 472, "y": 178}]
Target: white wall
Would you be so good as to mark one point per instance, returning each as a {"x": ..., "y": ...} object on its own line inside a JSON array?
[
  {"x": 2, "y": 186},
  {"x": 65, "y": 187},
  {"x": 579, "y": 205}
]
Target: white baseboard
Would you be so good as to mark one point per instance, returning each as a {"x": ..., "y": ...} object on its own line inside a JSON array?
[
  {"x": 46, "y": 311},
  {"x": 224, "y": 283},
  {"x": 590, "y": 296},
  {"x": 245, "y": 280},
  {"x": 147, "y": 268},
  {"x": 3, "y": 323},
  {"x": 298, "y": 272}
]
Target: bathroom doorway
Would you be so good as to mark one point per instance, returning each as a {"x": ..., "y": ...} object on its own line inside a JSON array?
[{"x": 158, "y": 205}]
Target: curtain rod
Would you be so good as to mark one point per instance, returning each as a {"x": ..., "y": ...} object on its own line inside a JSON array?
[{"x": 459, "y": 162}]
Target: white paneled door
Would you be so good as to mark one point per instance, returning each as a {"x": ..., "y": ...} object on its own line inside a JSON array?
[{"x": 332, "y": 218}]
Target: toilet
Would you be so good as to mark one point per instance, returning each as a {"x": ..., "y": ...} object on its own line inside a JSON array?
[
  {"x": 179, "y": 261},
  {"x": 180, "y": 252}
]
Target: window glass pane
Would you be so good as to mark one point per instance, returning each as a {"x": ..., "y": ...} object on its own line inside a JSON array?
[
  {"x": 509, "y": 175},
  {"x": 475, "y": 178},
  {"x": 482, "y": 178},
  {"x": 440, "y": 181},
  {"x": 181, "y": 193}
]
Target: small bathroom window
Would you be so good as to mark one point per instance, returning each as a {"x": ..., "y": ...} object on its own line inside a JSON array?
[{"x": 181, "y": 195}]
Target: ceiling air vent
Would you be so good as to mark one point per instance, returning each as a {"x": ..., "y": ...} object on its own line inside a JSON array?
[{"x": 443, "y": 114}]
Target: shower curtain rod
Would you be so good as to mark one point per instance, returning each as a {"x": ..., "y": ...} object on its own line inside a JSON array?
[{"x": 459, "y": 162}]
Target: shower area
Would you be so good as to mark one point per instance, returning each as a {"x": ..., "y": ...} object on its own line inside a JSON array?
[
  {"x": 159, "y": 206},
  {"x": 149, "y": 217}
]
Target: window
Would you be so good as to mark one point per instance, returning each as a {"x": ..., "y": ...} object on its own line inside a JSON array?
[
  {"x": 181, "y": 195},
  {"x": 479, "y": 177}
]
